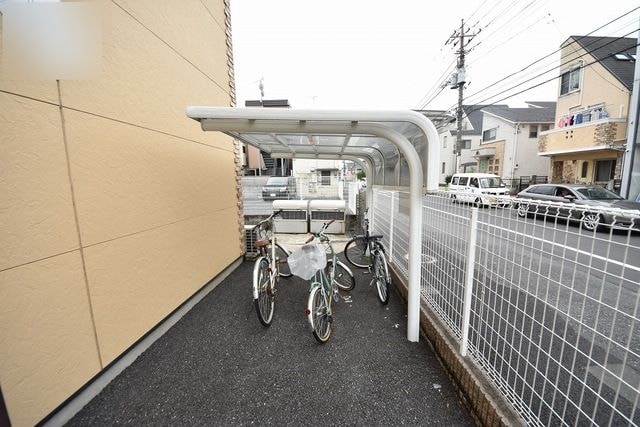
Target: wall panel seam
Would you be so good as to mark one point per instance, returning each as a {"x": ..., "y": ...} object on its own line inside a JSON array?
[
  {"x": 169, "y": 46},
  {"x": 77, "y": 224},
  {"x": 211, "y": 14},
  {"x": 159, "y": 226},
  {"x": 124, "y": 122},
  {"x": 39, "y": 260}
]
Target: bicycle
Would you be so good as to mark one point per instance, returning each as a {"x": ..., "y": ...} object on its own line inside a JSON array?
[
  {"x": 367, "y": 251},
  {"x": 324, "y": 288},
  {"x": 268, "y": 268}
]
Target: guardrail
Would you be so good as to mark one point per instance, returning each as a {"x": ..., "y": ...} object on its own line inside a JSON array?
[{"x": 547, "y": 309}]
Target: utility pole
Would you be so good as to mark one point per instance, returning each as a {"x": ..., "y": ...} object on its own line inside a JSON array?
[
  {"x": 458, "y": 80},
  {"x": 630, "y": 188}
]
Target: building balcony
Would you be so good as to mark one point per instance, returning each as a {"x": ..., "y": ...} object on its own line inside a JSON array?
[{"x": 602, "y": 134}]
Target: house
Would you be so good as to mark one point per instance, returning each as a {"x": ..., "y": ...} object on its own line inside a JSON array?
[
  {"x": 494, "y": 135},
  {"x": 509, "y": 142},
  {"x": 117, "y": 208},
  {"x": 596, "y": 77}
]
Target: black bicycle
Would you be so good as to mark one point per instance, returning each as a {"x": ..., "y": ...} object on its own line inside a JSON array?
[{"x": 366, "y": 251}]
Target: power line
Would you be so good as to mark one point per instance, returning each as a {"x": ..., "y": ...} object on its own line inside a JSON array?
[
  {"x": 441, "y": 116},
  {"x": 552, "y": 79},
  {"x": 556, "y": 67},
  {"x": 554, "y": 52}
]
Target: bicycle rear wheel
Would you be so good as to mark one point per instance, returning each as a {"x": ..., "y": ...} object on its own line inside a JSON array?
[
  {"x": 343, "y": 278},
  {"x": 381, "y": 271},
  {"x": 283, "y": 267},
  {"x": 356, "y": 251},
  {"x": 318, "y": 314},
  {"x": 264, "y": 299}
]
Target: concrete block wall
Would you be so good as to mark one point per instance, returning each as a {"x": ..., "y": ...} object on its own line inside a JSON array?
[{"x": 115, "y": 207}]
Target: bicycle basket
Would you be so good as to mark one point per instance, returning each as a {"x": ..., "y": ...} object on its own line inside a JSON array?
[{"x": 304, "y": 262}]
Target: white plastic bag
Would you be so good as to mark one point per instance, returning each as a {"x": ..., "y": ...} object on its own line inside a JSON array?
[{"x": 304, "y": 262}]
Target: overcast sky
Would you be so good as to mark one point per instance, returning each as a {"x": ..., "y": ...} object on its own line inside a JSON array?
[{"x": 389, "y": 54}]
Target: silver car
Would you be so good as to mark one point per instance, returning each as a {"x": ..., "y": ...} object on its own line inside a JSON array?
[{"x": 578, "y": 199}]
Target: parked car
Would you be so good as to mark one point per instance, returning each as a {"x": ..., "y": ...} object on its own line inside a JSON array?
[
  {"x": 279, "y": 187},
  {"x": 482, "y": 189},
  {"x": 578, "y": 199}
]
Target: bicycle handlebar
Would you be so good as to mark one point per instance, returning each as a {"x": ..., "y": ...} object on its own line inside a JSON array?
[{"x": 269, "y": 218}]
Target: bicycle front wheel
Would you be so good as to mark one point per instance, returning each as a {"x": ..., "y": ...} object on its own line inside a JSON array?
[
  {"x": 264, "y": 299},
  {"x": 356, "y": 251},
  {"x": 318, "y": 314},
  {"x": 343, "y": 277},
  {"x": 282, "y": 255},
  {"x": 381, "y": 271}
]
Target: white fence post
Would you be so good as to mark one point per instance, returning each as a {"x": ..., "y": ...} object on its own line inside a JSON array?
[
  {"x": 393, "y": 197},
  {"x": 468, "y": 280}
]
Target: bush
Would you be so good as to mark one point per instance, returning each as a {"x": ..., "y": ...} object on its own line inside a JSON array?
[
  {"x": 361, "y": 175},
  {"x": 447, "y": 179}
]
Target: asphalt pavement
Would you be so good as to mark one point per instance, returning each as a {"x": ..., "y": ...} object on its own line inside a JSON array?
[{"x": 219, "y": 366}]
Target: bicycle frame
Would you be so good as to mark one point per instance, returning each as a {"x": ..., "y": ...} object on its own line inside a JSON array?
[{"x": 268, "y": 252}]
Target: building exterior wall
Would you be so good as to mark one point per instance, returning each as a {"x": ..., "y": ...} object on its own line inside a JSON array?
[
  {"x": 114, "y": 205},
  {"x": 527, "y": 161},
  {"x": 583, "y": 143},
  {"x": 505, "y": 133},
  {"x": 594, "y": 89}
]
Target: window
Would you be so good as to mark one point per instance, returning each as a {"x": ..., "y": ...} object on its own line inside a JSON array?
[
  {"x": 585, "y": 169},
  {"x": 548, "y": 190},
  {"x": 533, "y": 131},
  {"x": 544, "y": 128},
  {"x": 496, "y": 169},
  {"x": 325, "y": 177},
  {"x": 444, "y": 142},
  {"x": 570, "y": 80},
  {"x": 489, "y": 134},
  {"x": 455, "y": 180},
  {"x": 605, "y": 170},
  {"x": 466, "y": 144},
  {"x": 464, "y": 180},
  {"x": 443, "y": 167}
]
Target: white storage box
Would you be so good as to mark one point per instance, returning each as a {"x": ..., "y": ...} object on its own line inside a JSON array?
[
  {"x": 321, "y": 211},
  {"x": 294, "y": 217}
]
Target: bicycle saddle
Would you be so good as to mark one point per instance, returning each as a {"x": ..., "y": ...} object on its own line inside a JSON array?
[{"x": 260, "y": 243}]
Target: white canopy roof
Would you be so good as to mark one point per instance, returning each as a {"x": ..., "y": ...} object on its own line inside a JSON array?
[{"x": 398, "y": 148}]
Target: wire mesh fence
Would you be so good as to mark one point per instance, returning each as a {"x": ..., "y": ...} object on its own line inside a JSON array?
[
  {"x": 258, "y": 193},
  {"x": 554, "y": 314}
]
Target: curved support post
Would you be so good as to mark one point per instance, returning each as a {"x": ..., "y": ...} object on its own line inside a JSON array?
[{"x": 286, "y": 121}]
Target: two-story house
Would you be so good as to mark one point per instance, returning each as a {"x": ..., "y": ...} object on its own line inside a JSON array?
[
  {"x": 596, "y": 78},
  {"x": 509, "y": 141}
]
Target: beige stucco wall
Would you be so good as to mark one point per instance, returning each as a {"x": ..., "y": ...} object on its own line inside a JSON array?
[
  {"x": 595, "y": 88},
  {"x": 115, "y": 208}
]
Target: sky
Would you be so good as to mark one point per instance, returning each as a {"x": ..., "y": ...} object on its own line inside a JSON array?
[{"x": 391, "y": 54}]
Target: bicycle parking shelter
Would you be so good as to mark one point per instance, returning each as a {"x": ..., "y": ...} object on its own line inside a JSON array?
[{"x": 395, "y": 148}]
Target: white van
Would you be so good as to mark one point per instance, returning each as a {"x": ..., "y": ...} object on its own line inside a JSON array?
[{"x": 483, "y": 189}]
